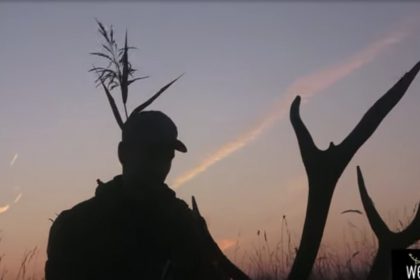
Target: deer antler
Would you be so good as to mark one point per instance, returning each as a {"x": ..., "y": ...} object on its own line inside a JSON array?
[
  {"x": 375, "y": 220},
  {"x": 324, "y": 168},
  {"x": 387, "y": 239},
  {"x": 228, "y": 267}
]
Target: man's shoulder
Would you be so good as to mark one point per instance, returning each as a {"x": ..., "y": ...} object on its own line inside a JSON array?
[
  {"x": 91, "y": 210},
  {"x": 83, "y": 208},
  {"x": 77, "y": 217},
  {"x": 171, "y": 201},
  {"x": 176, "y": 212}
]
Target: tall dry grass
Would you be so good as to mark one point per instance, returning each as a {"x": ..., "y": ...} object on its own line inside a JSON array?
[
  {"x": 273, "y": 260},
  {"x": 264, "y": 262},
  {"x": 269, "y": 260},
  {"x": 27, "y": 270}
]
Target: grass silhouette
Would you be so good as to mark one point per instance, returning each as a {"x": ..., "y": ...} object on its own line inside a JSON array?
[{"x": 273, "y": 262}]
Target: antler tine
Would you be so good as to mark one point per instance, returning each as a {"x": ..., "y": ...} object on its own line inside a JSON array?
[
  {"x": 377, "y": 224},
  {"x": 388, "y": 240},
  {"x": 306, "y": 143},
  {"x": 195, "y": 206},
  {"x": 230, "y": 268},
  {"x": 412, "y": 232},
  {"x": 374, "y": 116}
]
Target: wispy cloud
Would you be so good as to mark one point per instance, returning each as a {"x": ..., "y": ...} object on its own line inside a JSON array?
[
  {"x": 4, "y": 208},
  {"x": 307, "y": 87}
]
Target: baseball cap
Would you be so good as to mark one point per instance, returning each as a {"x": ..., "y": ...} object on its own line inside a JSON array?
[{"x": 152, "y": 127}]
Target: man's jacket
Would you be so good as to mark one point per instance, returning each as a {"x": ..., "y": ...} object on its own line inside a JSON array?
[{"x": 117, "y": 236}]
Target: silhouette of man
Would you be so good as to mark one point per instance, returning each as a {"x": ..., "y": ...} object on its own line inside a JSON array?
[{"x": 134, "y": 227}]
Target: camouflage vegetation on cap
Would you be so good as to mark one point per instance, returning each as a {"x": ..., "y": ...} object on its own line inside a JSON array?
[
  {"x": 119, "y": 73},
  {"x": 152, "y": 127}
]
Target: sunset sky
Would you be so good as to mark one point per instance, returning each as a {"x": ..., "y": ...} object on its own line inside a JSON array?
[{"x": 244, "y": 62}]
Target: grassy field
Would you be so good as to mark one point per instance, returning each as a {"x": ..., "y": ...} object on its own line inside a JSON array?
[
  {"x": 265, "y": 261},
  {"x": 272, "y": 260}
]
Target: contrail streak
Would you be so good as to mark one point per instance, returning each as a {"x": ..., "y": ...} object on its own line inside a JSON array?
[
  {"x": 307, "y": 87},
  {"x": 19, "y": 196},
  {"x": 14, "y": 159}
]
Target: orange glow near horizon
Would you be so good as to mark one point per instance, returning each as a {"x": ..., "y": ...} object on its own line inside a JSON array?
[{"x": 225, "y": 244}]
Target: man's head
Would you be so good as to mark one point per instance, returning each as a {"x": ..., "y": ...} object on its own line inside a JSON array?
[{"x": 149, "y": 141}]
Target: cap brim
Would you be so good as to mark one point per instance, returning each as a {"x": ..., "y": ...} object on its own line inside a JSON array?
[{"x": 179, "y": 146}]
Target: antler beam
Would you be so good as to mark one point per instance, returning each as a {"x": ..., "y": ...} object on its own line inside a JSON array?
[{"x": 324, "y": 168}]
